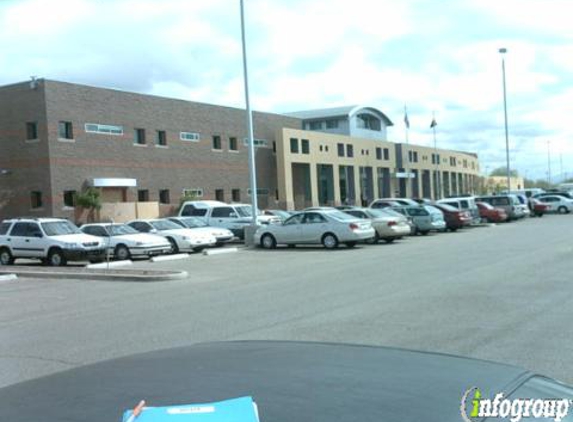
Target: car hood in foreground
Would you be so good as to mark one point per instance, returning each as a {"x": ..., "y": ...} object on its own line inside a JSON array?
[{"x": 290, "y": 381}]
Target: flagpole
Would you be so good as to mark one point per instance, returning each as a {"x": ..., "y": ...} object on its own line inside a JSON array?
[
  {"x": 438, "y": 183},
  {"x": 407, "y": 153}
]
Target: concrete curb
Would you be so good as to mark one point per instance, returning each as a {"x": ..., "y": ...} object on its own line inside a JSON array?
[
  {"x": 169, "y": 257},
  {"x": 95, "y": 274},
  {"x": 111, "y": 264},
  {"x": 8, "y": 277},
  {"x": 209, "y": 252}
]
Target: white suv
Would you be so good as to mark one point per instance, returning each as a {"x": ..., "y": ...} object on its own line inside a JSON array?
[{"x": 53, "y": 240}]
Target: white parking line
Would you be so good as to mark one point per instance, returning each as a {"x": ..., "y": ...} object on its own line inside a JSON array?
[
  {"x": 113, "y": 264},
  {"x": 169, "y": 257},
  {"x": 219, "y": 251}
]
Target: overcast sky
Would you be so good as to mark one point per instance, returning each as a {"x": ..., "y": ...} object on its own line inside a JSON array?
[{"x": 430, "y": 55}]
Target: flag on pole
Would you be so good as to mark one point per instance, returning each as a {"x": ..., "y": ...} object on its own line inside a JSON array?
[
  {"x": 433, "y": 124},
  {"x": 406, "y": 120}
]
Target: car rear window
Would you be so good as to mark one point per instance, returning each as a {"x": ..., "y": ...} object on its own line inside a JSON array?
[{"x": 418, "y": 212}]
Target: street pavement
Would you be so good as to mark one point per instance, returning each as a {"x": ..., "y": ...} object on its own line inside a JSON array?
[{"x": 501, "y": 293}]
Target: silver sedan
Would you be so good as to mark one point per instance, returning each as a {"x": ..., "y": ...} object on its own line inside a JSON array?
[{"x": 328, "y": 227}]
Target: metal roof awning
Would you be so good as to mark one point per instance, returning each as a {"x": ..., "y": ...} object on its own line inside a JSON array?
[{"x": 107, "y": 182}]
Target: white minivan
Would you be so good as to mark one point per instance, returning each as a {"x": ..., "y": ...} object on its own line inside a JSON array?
[{"x": 234, "y": 217}]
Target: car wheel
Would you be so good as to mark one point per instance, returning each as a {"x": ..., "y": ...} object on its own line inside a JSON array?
[
  {"x": 389, "y": 239},
  {"x": 562, "y": 210},
  {"x": 6, "y": 257},
  {"x": 56, "y": 258},
  {"x": 173, "y": 243},
  {"x": 291, "y": 246},
  {"x": 350, "y": 245},
  {"x": 453, "y": 229},
  {"x": 424, "y": 232},
  {"x": 330, "y": 241},
  {"x": 374, "y": 240},
  {"x": 268, "y": 241},
  {"x": 122, "y": 253},
  {"x": 198, "y": 248}
]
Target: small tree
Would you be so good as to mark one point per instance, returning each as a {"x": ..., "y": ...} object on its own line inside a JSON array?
[
  {"x": 502, "y": 171},
  {"x": 89, "y": 199}
]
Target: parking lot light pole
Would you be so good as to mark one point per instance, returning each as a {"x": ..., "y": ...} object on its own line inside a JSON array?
[
  {"x": 502, "y": 51},
  {"x": 252, "y": 164}
]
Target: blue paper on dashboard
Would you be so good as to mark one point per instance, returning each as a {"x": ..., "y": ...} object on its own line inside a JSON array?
[{"x": 242, "y": 409}]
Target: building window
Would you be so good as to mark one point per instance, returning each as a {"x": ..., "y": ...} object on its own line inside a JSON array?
[
  {"x": 257, "y": 142},
  {"x": 349, "y": 150},
  {"x": 70, "y": 198},
  {"x": 164, "y": 196},
  {"x": 320, "y": 148},
  {"x": 274, "y": 147},
  {"x": 367, "y": 121},
  {"x": 294, "y": 145},
  {"x": 378, "y": 153},
  {"x": 326, "y": 148},
  {"x": 220, "y": 195},
  {"x": 304, "y": 146},
  {"x": 189, "y": 136},
  {"x": 143, "y": 195},
  {"x": 315, "y": 125},
  {"x": 217, "y": 142},
  {"x": 260, "y": 191},
  {"x": 331, "y": 123},
  {"x": 161, "y": 138},
  {"x": 36, "y": 199},
  {"x": 140, "y": 136},
  {"x": 65, "y": 130},
  {"x": 236, "y": 195},
  {"x": 340, "y": 150},
  {"x": 31, "y": 131},
  {"x": 233, "y": 144},
  {"x": 386, "y": 154},
  {"x": 103, "y": 129},
  {"x": 193, "y": 193}
]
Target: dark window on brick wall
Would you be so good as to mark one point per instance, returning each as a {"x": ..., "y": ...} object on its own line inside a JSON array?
[
  {"x": 217, "y": 142},
  {"x": 140, "y": 136},
  {"x": 161, "y": 138},
  {"x": 349, "y": 150},
  {"x": 220, "y": 195},
  {"x": 340, "y": 150},
  {"x": 36, "y": 199},
  {"x": 70, "y": 198},
  {"x": 164, "y": 196},
  {"x": 304, "y": 146},
  {"x": 236, "y": 195},
  {"x": 143, "y": 195},
  {"x": 65, "y": 130},
  {"x": 31, "y": 130},
  {"x": 378, "y": 153},
  {"x": 233, "y": 144},
  {"x": 386, "y": 154}
]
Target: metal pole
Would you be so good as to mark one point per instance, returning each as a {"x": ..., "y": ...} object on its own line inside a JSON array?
[
  {"x": 252, "y": 164},
  {"x": 407, "y": 155},
  {"x": 549, "y": 162},
  {"x": 503, "y": 51},
  {"x": 437, "y": 171}
]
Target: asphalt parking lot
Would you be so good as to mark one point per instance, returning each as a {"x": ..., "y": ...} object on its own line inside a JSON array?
[{"x": 499, "y": 293}]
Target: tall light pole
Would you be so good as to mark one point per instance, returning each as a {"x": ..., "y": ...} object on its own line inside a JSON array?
[
  {"x": 252, "y": 164},
  {"x": 502, "y": 51},
  {"x": 549, "y": 162}
]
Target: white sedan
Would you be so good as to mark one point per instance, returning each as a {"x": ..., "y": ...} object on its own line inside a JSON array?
[
  {"x": 222, "y": 234},
  {"x": 557, "y": 203},
  {"x": 124, "y": 242},
  {"x": 180, "y": 239},
  {"x": 389, "y": 227},
  {"x": 326, "y": 226}
]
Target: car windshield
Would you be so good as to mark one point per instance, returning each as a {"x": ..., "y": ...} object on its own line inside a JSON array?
[
  {"x": 246, "y": 210},
  {"x": 192, "y": 222},
  {"x": 120, "y": 229},
  {"x": 57, "y": 228},
  {"x": 448, "y": 207},
  {"x": 164, "y": 225},
  {"x": 379, "y": 213}
]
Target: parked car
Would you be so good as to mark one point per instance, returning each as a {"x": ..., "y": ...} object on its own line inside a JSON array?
[
  {"x": 423, "y": 220},
  {"x": 234, "y": 217},
  {"x": 464, "y": 203},
  {"x": 180, "y": 239},
  {"x": 490, "y": 213},
  {"x": 509, "y": 203},
  {"x": 565, "y": 194},
  {"x": 524, "y": 204},
  {"x": 557, "y": 203},
  {"x": 124, "y": 242},
  {"x": 423, "y": 201},
  {"x": 388, "y": 227},
  {"x": 328, "y": 227},
  {"x": 394, "y": 201},
  {"x": 537, "y": 207},
  {"x": 455, "y": 218},
  {"x": 221, "y": 234},
  {"x": 54, "y": 241},
  {"x": 282, "y": 214}
]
